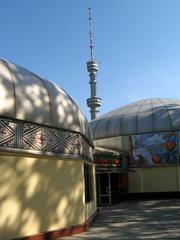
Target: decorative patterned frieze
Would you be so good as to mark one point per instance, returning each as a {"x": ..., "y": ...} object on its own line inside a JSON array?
[
  {"x": 71, "y": 143},
  {"x": 7, "y": 133},
  {"x": 37, "y": 137},
  {"x": 30, "y": 136}
]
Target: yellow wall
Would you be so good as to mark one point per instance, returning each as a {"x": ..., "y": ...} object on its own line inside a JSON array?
[
  {"x": 155, "y": 179},
  {"x": 40, "y": 194}
]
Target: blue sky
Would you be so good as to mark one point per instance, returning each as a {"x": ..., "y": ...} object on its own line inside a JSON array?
[{"x": 136, "y": 41}]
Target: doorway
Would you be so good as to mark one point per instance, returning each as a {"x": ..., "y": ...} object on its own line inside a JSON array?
[
  {"x": 111, "y": 187},
  {"x": 104, "y": 189}
]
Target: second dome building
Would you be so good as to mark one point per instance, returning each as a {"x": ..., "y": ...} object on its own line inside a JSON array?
[{"x": 137, "y": 149}]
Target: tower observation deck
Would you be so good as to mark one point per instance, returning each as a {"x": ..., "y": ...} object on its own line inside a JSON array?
[{"x": 93, "y": 102}]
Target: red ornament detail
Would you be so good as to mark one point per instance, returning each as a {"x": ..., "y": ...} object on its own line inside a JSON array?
[{"x": 41, "y": 138}]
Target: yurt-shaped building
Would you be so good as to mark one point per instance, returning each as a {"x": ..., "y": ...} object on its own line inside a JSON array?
[
  {"x": 145, "y": 137},
  {"x": 46, "y": 168}
]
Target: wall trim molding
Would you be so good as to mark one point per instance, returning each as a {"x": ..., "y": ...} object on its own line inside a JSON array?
[{"x": 40, "y": 154}]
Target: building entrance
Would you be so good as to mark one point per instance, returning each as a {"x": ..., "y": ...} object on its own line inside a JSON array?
[
  {"x": 111, "y": 187},
  {"x": 104, "y": 188}
]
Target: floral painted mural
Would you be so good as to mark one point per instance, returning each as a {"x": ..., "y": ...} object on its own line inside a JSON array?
[{"x": 154, "y": 149}]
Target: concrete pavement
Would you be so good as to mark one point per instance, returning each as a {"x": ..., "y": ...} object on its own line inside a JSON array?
[{"x": 129, "y": 220}]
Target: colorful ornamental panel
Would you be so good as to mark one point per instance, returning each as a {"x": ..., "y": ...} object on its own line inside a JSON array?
[
  {"x": 155, "y": 149},
  {"x": 30, "y": 136}
]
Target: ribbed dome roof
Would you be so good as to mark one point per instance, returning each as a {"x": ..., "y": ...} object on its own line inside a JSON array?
[
  {"x": 145, "y": 116},
  {"x": 27, "y": 96}
]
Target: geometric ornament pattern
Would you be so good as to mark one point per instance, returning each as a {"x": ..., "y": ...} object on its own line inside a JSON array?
[
  {"x": 37, "y": 137},
  {"x": 71, "y": 143},
  {"x": 30, "y": 136},
  {"x": 7, "y": 133}
]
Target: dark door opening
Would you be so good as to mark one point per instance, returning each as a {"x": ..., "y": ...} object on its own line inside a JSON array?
[
  {"x": 103, "y": 189},
  {"x": 111, "y": 187},
  {"x": 119, "y": 186}
]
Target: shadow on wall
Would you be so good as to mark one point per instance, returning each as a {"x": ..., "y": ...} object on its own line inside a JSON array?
[{"x": 38, "y": 195}]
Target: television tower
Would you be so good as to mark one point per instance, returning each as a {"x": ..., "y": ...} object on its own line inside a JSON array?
[{"x": 93, "y": 102}]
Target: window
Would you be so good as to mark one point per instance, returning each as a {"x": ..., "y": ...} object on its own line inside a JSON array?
[{"x": 89, "y": 183}]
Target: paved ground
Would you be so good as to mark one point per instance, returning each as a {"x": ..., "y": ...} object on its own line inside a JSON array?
[{"x": 148, "y": 219}]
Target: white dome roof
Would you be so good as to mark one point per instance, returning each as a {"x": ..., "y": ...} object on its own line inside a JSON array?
[
  {"x": 145, "y": 116},
  {"x": 28, "y": 97}
]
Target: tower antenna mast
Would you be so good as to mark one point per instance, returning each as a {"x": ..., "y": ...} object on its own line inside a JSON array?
[
  {"x": 93, "y": 102},
  {"x": 90, "y": 34}
]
